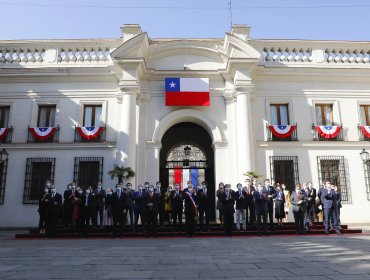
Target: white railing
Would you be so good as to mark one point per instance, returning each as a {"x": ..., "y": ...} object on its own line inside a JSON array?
[
  {"x": 358, "y": 56},
  {"x": 58, "y": 52},
  {"x": 272, "y": 54}
]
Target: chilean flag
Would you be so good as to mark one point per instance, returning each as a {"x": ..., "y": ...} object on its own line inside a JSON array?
[{"x": 187, "y": 92}]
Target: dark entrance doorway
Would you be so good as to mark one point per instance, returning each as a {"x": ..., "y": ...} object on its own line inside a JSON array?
[
  {"x": 192, "y": 135},
  {"x": 284, "y": 170}
]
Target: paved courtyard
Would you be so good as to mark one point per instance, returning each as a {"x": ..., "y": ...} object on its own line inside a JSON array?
[{"x": 264, "y": 258}]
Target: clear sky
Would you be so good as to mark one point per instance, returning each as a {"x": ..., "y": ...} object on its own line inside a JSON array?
[{"x": 269, "y": 19}]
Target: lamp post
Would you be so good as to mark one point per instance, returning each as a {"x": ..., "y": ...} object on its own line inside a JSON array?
[
  {"x": 365, "y": 157},
  {"x": 3, "y": 155}
]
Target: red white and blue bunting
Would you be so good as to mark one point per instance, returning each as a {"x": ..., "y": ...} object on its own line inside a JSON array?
[
  {"x": 42, "y": 133},
  {"x": 3, "y": 133},
  {"x": 90, "y": 132},
  {"x": 282, "y": 131},
  {"x": 365, "y": 129},
  {"x": 328, "y": 131}
]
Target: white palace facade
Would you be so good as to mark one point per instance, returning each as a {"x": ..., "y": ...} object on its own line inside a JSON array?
[{"x": 118, "y": 85}]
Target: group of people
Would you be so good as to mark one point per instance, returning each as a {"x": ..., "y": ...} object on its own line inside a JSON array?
[{"x": 251, "y": 204}]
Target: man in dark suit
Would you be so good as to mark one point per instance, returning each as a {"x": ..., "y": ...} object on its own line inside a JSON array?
[
  {"x": 98, "y": 203},
  {"x": 261, "y": 200},
  {"x": 203, "y": 199},
  {"x": 190, "y": 209},
  {"x": 270, "y": 206},
  {"x": 250, "y": 213},
  {"x": 129, "y": 193},
  {"x": 329, "y": 200},
  {"x": 67, "y": 207},
  {"x": 311, "y": 205},
  {"x": 53, "y": 205},
  {"x": 85, "y": 211},
  {"x": 139, "y": 207},
  {"x": 176, "y": 199},
  {"x": 228, "y": 201},
  {"x": 299, "y": 200},
  {"x": 151, "y": 201},
  {"x": 118, "y": 204},
  {"x": 160, "y": 191}
]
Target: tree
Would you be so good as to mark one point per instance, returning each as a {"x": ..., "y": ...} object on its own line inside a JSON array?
[
  {"x": 121, "y": 173},
  {"x": 252, "y": 174}
]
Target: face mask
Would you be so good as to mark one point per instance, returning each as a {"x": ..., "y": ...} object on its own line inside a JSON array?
[
  {"x": 239, "y": 188},
  {"x": 119, "y": 189},
  {"x": 328, "y": 186},
  {"x": 158, "y": 185},
  {"x": 267, "y": 184},
  {"x": 87, "y": 191},
  {"x": 146, "y": 185},
  {"x": 46, "y": 190},
  {"x": 190, "y": 189},
  {"x": 227, "y": 189},
  {"x": 189, "y": 185},
  {"x": 150, "y": 189},
  {"x": 99, "y": 187},
  {"x": 53, "y": 190},
  {"x": 73, "y": 187},
  {"x": 204, "y": 186},
  {"x": 69, "y": 187},
  {"x": 260, "y": 189},
  {"x": 298, "y": 190},
  {"x": 140, "y": 189},
  {"x": 176, "y": 187},
  {"x": 80, "y": 192},
  {"x": 129, "y": 187},
  {"x": 48, "y": 185}
]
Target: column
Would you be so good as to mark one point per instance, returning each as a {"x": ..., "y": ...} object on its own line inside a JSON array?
[
  {"x": 126, "y": 134},
  {"x": 244, "y": 130}
]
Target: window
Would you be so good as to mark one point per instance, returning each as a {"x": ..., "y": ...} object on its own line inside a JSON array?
[
  {"x": 46, "y": 116},
  {"x": 365, "y": 114},
  {"x": 38, "y": 171},
  {"x": 332, "y": 168},
  {"x": 279, "y": 114},
  {"x": 92, "y": 115},
  {"x": 4, "y": 116},
  {"x": 284, "y": 170},
  {"x": 88, "y": 171},
  {"x": 324, "y": 114}
]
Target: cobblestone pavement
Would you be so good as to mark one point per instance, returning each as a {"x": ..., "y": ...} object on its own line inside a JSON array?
[{"x": 264, "y": 258}]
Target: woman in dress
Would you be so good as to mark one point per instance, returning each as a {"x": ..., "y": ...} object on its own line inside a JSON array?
[
  {"x": 279, "y": 205},
  {"x": 219, "y": 203},
  {"x": 287, "y": 202},
  {"x": 107, "y": 216}
]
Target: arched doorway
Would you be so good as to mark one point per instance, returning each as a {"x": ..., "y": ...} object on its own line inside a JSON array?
[{"x": 199, "y": 162}]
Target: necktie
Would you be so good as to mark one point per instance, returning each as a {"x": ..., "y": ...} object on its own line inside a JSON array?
[
  {"x": 177, "y": 193},
  {"x": 119, "y": 194},
  {"x": 299, "y": 196},
  {"x": 86, "y": 201},
  {"x": 52, "y": 196}
]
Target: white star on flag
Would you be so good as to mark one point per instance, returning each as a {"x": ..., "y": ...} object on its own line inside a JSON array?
[{"x": 172, "y": 84}]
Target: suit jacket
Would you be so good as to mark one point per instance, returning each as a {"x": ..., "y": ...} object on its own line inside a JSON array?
[
  {"x": 98, "y": 197},
  {"x": 203, "y": 199},
  {"x": 260, "y": 201},
  {"x": 241, "y": 201},
  {"x": 189, "y": 206},
  {"x": 294, "y": 201},
  {"x": 66, "y": 196},
  {"x": 176, "y": 201},
  {"x": 228, "y": 201},
  {"x": 53, "y": 204},
  {"x": 138, "y": 200},
  {"x": 118, "y": 203},
  {"x": 151, "y": 201},
  {"x": 312, "y": 194},
  {"x": 329, "y": 198},
  {"x": 83, "y": 209},
  {"x": 270, "y": 191}
]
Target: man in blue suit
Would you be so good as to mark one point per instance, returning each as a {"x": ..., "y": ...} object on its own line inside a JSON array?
[
  {"x": 139, "y": 206},
  {"x": 261, "y": 200},
  {"x": 329, "y": 201}
]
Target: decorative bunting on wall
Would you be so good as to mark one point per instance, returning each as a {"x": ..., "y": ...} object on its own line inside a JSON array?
[
  {"x": 328, "y": 131},
  {"x": 282, "y": 131},
  {"x": 42, "y": 133},
  {"x": 365, "y": 129},
  {"x": 90, "y": 132},
  {"x": 3, "y": 132}
]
